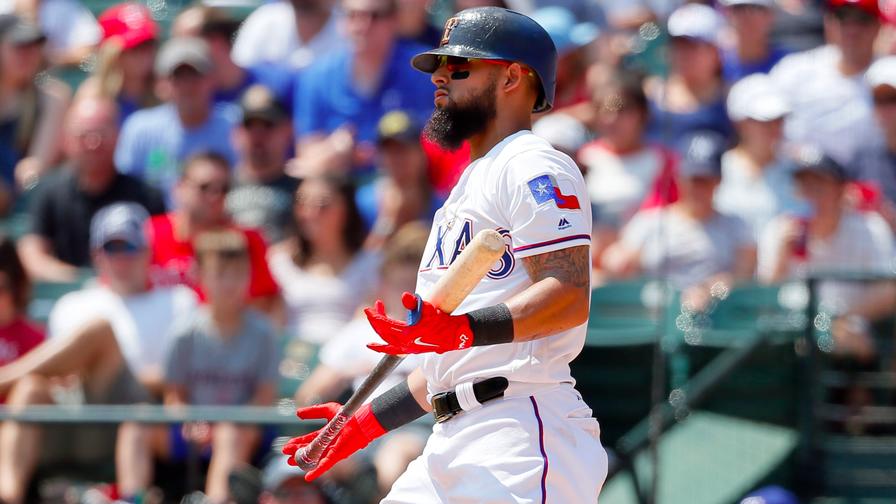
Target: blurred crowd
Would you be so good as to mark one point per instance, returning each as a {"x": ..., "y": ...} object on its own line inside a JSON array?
[{"x": 233, "y": 183}]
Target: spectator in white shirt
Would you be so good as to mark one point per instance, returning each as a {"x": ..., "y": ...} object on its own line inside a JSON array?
[
  {"x": 291, "y": 33},
  {"x": 757, "y": 183},
  {"x": 832, "y": 238},
  {"x": 113, "y": 336},
  {"x": 825, "y": 86}
]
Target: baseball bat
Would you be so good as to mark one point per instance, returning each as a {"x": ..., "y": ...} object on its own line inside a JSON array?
[{"x": 450, "y": 290}]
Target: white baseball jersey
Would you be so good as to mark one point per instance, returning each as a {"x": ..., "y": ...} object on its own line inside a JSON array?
[{"x": 536, "y": 198}]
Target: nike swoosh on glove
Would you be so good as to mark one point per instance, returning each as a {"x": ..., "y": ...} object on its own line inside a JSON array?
[
  {"x": 435, "y": 331},
  {"x": 362, "y": 428}
]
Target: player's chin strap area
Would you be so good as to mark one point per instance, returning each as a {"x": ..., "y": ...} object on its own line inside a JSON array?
[{"x": 466, "y": 397}]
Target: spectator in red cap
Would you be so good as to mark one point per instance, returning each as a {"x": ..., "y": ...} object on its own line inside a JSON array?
[
  {"x": 825, "y": 86},
  {"x": 124, "y": 70}
]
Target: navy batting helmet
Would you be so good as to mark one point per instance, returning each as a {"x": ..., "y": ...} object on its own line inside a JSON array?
[{"x": 498, "y": 34}]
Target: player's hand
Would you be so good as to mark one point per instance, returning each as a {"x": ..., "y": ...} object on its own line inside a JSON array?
[
  {"x": 434, "y": 331},
  {"x": 359, "y": 431}
]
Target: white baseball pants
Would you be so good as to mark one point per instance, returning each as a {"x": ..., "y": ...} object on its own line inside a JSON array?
[{"x": 539, "y": 449}]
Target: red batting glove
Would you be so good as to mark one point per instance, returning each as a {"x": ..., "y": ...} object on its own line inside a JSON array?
[
  {"x": 436, "y": 331},
  {"x": 359, "y": 431}
]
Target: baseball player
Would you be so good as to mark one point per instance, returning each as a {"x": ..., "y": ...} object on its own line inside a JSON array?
[{"x": 510, "y": 426}]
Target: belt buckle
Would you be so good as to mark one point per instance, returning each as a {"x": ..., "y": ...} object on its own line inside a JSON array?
[{"x": 445, "y": 414}]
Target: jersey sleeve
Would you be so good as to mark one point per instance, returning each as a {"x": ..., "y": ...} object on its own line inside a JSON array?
[{"x": 548, "y": 207}]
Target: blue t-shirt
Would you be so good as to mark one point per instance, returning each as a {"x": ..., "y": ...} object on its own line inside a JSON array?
[
  {"x": 325, "y": 98},
  {"x": 276, "y": 78},
  {"x": 733, "y": 69},
  {"x": 668, "y": 128},
  {"x": 153, "y": 143},
  {"x": 9, "y": 154}
]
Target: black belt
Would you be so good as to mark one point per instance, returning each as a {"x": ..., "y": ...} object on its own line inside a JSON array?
[{"x": 445, "y": 405}]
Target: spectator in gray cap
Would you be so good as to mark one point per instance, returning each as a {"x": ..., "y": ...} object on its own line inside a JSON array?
[
  {"x": 113, "y": 335},
  {"x": 756, "y": 178},
  {"x": 263, "y": 196},
  {"x": 30, "y": 111},
  {"x": 690, "y": 241},
  {"x": 155, "y": 141}
]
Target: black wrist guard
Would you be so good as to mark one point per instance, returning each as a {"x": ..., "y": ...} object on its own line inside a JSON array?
[
  {"x": 396, "y": 407},
  {"x": 492, "y": 325}
]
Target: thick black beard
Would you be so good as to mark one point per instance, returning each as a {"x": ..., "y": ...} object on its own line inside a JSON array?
[{"x": 450, "y": 125}]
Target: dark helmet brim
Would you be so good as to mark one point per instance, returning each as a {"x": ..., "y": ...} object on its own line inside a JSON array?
[{"x": 428, "y": 61}]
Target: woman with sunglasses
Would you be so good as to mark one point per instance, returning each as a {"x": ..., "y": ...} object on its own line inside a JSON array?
[{"x": 323, "y": 272}]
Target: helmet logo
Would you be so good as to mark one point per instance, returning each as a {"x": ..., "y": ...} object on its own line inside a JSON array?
[{"x": 450, "y": 25}]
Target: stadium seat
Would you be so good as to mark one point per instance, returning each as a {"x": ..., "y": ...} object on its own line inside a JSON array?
[{"x": 45, "y": 294}]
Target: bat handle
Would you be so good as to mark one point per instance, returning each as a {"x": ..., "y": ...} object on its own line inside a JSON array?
[{"x": 309, "y": 456}]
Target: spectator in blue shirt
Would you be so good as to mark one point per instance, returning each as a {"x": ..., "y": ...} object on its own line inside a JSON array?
[
  {"x": 752, "y": 52},
  {"x": 355, "y": 87},
  {"x": 218, "y": 28},
  {"x": 155, "y": 141}
]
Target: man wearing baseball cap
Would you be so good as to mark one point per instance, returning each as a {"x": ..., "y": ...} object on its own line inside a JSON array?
[
  {"x": 751, "y": 23},
  {"x": 155, "y": 141},
  {"x": 756, "y": 179},
  {"x": 264, "y": 193},
  {"x": 825, "y": 86},
  {"x": 112, "y": 334}
]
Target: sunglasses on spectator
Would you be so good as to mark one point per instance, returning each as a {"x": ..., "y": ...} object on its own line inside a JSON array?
[
  {"x": 853, "y": 14},
  {"x": 749, "y": 8},
  {"x": 320, "y": 203},
  {"x": 119, "y": 247},
  {"x": 889, "y": 99},
  {"x": 460, "y": 66},
  {"x": 211, "y": 188},
  {"x": 372, "y": 15}
]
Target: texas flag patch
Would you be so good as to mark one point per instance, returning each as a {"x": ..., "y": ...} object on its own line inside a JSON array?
[{"x": 545, "y": 188}]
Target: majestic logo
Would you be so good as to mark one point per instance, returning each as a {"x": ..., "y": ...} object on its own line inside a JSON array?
[
  {"x": 450, "y": 25},
  {"x": 545, "y": 188},
  {"x": 564, "y": 224}
]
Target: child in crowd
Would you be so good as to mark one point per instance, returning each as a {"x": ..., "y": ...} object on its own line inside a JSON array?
[{"x": 224, "y": 354}]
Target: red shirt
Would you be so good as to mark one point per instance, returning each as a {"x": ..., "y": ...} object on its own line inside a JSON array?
[
  {"x": 17, "y": 339},
  {"x": 174, "y": 261}
]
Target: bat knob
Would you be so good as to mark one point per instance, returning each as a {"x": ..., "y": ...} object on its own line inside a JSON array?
[
  {"x": 414, "y": 314},
  {"x": 304, "y": 461}
]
